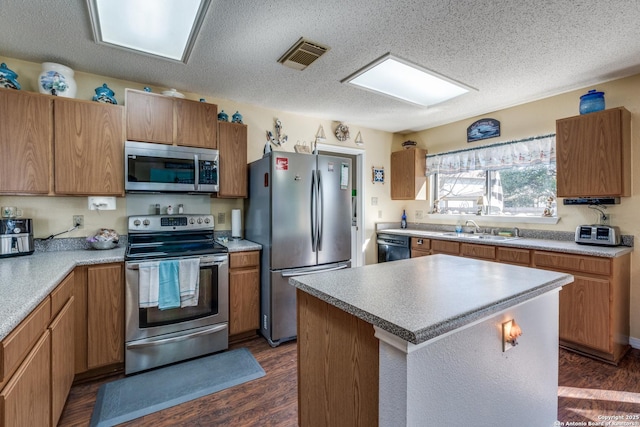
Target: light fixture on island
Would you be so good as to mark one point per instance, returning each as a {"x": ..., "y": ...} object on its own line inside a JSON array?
[{"x": 510, "y": 333}]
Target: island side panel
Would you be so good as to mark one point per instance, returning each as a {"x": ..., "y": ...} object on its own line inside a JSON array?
[
  {"x": 338, "y": 359},
  {"x": 466, "y": 379}
]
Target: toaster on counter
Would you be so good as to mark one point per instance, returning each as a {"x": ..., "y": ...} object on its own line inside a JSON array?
[{"x": 603, "y": 235}]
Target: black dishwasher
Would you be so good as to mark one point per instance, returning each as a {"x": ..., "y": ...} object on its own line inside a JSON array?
[{"x": 392, "y": 247}]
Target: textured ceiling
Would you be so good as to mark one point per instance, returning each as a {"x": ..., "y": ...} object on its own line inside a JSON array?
[{"x": 511, "y": 51}]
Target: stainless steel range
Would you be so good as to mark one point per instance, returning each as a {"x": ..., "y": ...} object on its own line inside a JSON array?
[{"x": 177, "y": 290}]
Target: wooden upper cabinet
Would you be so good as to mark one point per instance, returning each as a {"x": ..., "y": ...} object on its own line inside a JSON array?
[
  {"x": 88, "y": 149},
  {"x": 408, "y": 180},
  {"x": 233, "y": 160},
  {"x": 594, "y": 154},
  {"x": 25, "y": 142},
  {"x": 149, "y": 117},
  {"x": 166, "y": 120},
  {"x": 196, "y": 123}
]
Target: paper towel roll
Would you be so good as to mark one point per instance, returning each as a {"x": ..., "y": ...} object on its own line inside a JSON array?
[{"x": 236, "y": 223}]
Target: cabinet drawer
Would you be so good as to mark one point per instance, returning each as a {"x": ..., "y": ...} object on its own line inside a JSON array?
[
  {"x": 478, "y": 251},
  {"x": 415, "y": 253},
  {"x": 61, "y": 294},
  {"x": 513, "y": 256},
  {"x": 579, "y": 263},
  {"x": 18, "y": 343},
  {"x": 441, "y": 246},
  {"x": 244, "y": 259},
  {"x": 420, "y": 244}
]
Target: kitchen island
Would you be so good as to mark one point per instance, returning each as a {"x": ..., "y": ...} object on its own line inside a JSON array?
[{"x": 419, "y": 342}]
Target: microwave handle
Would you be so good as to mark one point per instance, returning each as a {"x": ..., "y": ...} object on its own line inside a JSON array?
[{"x": 196, "y": 170}]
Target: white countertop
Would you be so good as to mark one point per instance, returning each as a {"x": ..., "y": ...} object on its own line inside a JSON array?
[
  {"x": 421, "y": 298},
  {"x": 564, "y": 246}
]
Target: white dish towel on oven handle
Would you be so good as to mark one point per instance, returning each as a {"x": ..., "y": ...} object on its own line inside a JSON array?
[
  {"x": 189, "y": 273},
  {"x": 148, "y": 284}
]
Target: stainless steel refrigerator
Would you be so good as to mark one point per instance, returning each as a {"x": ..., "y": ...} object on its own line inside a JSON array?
[{"x": 299, "y": 210}]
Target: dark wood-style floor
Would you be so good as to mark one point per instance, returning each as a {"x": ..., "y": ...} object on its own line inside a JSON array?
[{"x": 588, "y": 390}]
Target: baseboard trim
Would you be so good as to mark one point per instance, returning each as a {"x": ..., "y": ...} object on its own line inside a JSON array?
[{"x": 634, "y": 342}]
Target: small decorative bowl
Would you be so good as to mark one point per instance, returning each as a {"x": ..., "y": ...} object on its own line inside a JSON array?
[
  {"x": 104, "y": 244},
  {"x": 223, "y": 117}
]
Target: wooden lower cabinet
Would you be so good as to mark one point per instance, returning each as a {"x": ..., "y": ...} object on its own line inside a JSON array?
[
  {"x": 25, "y": 400},
  {"x": 105, "y": 315},
  {"x": 338, "y": 366},
  {"x": 62, "y": 361},
  {"x": 99, "y": 311},
  {"x": 445, "y": 247},
  {"x": 420, "y": 247},
  {"x": 513, "y": 256},
  {"x": 244, "y": 294},
  {"x": 594, "y": 309},
  {"x": 485, "y": 252}
]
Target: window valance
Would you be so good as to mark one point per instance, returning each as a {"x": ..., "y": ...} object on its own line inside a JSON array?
[{"x": 524, "y": 152}]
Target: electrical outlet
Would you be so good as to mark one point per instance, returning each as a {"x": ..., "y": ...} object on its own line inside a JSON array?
[
  {"x": 221, "y": 218},
  {"x": 374, "y": 201},
  {"x": 605, "y": 219},
  {"x": 419, "y": 214},
  {"x": 78, "y": 221}
]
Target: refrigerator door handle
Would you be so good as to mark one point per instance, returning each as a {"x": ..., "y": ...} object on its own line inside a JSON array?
[
  {"x": 303, "y": 272},
  {"x": 313, "y": 212},
  {"x": 320, "y": 213}
]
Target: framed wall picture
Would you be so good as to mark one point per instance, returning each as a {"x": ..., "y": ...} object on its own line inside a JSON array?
[
  {"x": 378, "y": 174},
  {"x": 483, "y": 129}
]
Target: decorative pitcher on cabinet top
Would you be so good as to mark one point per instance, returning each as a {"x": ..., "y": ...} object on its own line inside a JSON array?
[{"x": 57, "y": 79}]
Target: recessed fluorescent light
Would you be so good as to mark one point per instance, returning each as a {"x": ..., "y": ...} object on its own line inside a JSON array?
[
  {"x": 401, "y": 79},
  {"x": 165, "y": 28}
]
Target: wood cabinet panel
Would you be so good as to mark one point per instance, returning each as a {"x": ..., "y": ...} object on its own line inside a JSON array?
[
  {"x": 244, "y": 300},
  {"x": 18, "y": 343},
  {"x": 577, "y": 263},
  {"x": 233, "y": 160},
  {"x": 415, "y": 253},
  {"x": 62, "y": 293},
  {"x": 196, "y": 123},
  {"x": 420, "y": 244},
  {"x": 593, "y": 154},
  {"x": 584, "y": 313},
  {"x": 408, "y": 179},
  {"x": 471, "y": 250},
  {"x": 244, "y": 259},
  {"x": 445, "y": 247},
  {"x": 80, "y": 309},
  {"x": 513, "y": 256},
  {"x": 88, "y": 149},
  {"x": 26, "y": 399},
  {"x": 62, "y": 360},
  {"x": 105, "y": 315},
  {"x": 25, "y": 142},
  {"x": 149, "y": 117},
  {"x": 338, "y": 359}
]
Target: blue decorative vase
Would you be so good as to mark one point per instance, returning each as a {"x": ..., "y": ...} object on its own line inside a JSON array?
[
  {"x": 236, "y": 118},
  {"x": 104, "y": 95},
  {"x": 147, "y": 89},
  {"x": 223, "y": 117},
  {"x": 8, "y": 78},
  {"x": 591, "y": 102}
]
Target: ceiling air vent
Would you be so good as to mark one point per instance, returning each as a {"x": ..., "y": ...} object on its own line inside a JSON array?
[{"x": 302, "y": 54}]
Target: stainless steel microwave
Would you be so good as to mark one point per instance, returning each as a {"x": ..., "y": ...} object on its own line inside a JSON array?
[{"x": 167, "y": 168}]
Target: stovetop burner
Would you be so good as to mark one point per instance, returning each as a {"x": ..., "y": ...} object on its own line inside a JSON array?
[{"x": 163, "y": 236}]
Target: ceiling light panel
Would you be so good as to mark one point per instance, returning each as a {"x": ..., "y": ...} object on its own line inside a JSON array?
[
  {"x": 401, "y": 79},
  {"x": 165, "y": 28}
]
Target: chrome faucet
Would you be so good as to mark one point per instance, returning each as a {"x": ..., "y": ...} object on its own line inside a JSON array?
[
  {"x": 516, "y": 232},
  {"x": 475, "y": 225}
]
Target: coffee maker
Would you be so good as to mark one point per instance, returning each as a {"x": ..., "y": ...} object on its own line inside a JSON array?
[{"x": 16, "y": 237}]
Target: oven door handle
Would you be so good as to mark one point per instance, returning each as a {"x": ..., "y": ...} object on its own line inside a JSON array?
[
  {"x": 155, "y": 342},
  {"x": 132, "y": 266}
]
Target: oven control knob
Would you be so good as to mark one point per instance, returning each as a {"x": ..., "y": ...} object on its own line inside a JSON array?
[
  {"x": 199, "y": 220},
  {"x": 136, "y": 222},
  {"x": 207, "y": 220},
  {"x": 192, "y": 221},
  {"x": 146, "y": 222}
]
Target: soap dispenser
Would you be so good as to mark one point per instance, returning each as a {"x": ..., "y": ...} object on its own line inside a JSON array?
[{"x": 403, "y": 222}]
